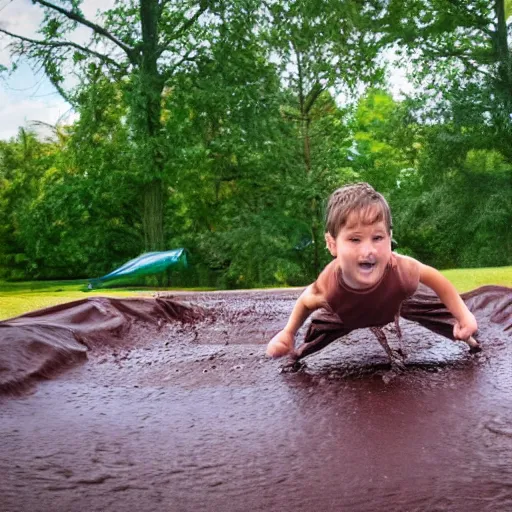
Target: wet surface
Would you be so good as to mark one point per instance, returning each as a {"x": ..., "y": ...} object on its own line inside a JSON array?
[{"x": 192, "y": 416}]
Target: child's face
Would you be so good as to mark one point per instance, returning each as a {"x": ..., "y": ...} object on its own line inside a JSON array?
[{"x": 361, "y": 250}]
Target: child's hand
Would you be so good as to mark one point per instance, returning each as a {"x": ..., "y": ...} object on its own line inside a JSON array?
[
  {"x": 281, "y": 344},
  {"x": 465, "y": 327}
]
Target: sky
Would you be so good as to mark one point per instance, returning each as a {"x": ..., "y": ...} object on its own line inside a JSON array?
[
  {"x": 26, "y": 95},
  {"x": 23, "y": 96}
]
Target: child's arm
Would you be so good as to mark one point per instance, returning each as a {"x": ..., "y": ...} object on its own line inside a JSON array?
[
  {"x": 465, "y": 324},
  {"x": 283, "y": 342}
]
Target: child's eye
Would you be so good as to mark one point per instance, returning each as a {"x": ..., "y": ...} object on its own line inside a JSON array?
[
  {"x": 354, "y": 239},
  {"x": 378, "y": 238}
]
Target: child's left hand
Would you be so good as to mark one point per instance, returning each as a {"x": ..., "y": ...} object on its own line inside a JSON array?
[{"x": 465, "y": 327}]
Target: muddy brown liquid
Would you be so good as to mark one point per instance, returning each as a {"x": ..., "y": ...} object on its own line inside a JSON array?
[{"x": 194, "y": 417}]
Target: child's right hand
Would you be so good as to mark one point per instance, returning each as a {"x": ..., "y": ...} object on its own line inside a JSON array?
[
  {"x": 281, "y": 344},
  {"x": 465, "y": 327}
]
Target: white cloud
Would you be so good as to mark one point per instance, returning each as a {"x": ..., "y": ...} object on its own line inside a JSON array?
[
  {"x": 27, "y": 95},
  {"x": 20, "y": 15},
  {"x": 20, "y": 112}
]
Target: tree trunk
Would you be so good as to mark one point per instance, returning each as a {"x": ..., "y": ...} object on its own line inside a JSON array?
[
  {"x": 307, "y": 142},
  {"x": 150, "y": 90},
  {"x": 501, "y": 39},
  {"x": 153, "y": 216},
  {"x": 315, "y": 237},
  {"x": 503, "y": 82},
  {"x": 503, "y": 52}
]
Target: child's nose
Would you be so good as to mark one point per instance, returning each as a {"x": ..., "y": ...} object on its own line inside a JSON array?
[{"x": 369, "y": 248}]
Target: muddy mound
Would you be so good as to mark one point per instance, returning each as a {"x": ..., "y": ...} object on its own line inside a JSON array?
[{"x": 42, "y": 343}]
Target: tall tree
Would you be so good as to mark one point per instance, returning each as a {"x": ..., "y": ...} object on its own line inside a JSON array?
[
  {"x": 461, "y": 63},
  {"x": 144, "y": 41},
  {"x": 383, "y": 149},
  {"x": 234, "y": 161}
]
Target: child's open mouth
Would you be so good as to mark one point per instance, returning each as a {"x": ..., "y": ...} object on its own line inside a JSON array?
[{"x": 366, "y": 266}]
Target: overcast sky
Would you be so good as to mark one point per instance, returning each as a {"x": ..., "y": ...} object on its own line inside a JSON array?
[{"x": 27, "y": 95}]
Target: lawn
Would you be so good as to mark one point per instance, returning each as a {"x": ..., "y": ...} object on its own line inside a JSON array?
[
  {"x": 17, "y": 298},
  {"x": 21, "y": 297},
  {"x": 469, "y": 278}
]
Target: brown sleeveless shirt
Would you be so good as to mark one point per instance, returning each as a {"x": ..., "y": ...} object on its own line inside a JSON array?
[{"x": 375, "y": 306}]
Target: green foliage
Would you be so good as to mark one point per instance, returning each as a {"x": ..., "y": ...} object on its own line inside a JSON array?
[
  {"x": 242, "y": 124},
  {"x": 384, "y": 147},
  {"x": 463, "y": 218},
  {"x": 70, "y": 204},
  {"x": 23, "y": 162}
]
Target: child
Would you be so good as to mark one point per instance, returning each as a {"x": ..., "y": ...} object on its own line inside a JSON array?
[{"x": 366, "y": 283}]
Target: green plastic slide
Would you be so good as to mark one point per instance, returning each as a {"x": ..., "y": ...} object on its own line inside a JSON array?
[{"x": 146, "y": 264}]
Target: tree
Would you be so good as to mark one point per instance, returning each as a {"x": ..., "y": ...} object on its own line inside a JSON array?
[
  {"x": 142, "y": 41},
  {"x": 382, "y": 149},
  {"x": 233, "y": 163},
  {"x": 23, "y": 162},
  {"x": 462, "y": 64},
  {"x": 70, "y": 204},
  {"x": 454, "y": 205}
]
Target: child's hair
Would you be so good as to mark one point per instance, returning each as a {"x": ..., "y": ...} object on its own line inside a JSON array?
[{"x": 358, "y": 197}]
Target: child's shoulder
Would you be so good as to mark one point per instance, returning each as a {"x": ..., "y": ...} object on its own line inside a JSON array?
[
  {"x": 329, "y": 269},
  {"x": 405, "y": 261},
  {"x": 323, "y": 279},
  {"x": 408, "y": 270}
]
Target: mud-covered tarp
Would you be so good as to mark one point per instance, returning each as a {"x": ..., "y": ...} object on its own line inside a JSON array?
[
  {"x": 41, "y": 343},
  {"x": 177, "y": 408}
]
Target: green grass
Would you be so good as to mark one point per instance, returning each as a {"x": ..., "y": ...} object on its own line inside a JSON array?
[
  {"x": 466, "y": 279},
  {"x": 21, "y": 297},
  {"x": 17, "y": 298}
]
